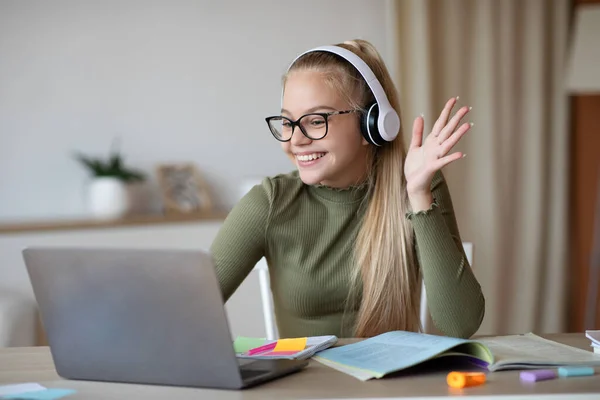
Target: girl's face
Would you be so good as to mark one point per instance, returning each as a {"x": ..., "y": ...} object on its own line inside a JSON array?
[{"x": 340, "y": 158}]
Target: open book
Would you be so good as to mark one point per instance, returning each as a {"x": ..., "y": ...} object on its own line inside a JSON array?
[{"x": 395, "y": 351}]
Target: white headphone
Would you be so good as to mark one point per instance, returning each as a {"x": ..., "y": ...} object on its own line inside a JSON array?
[{"x": 380, "y": 123}]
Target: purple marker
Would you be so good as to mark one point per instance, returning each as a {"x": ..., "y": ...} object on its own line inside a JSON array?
[{"x": 537, "y": 375}]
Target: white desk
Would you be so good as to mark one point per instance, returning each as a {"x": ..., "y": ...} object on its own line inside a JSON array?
[{"x": 34, "y": 364}]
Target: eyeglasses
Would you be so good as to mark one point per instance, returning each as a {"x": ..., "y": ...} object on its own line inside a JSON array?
[{"x": 314, "y": 126}]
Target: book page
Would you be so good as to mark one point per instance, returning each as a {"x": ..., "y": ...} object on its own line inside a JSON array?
[
  {"x": 390, "y": 352},
  {"x": 475, "y": 350},
  {"x": 532, "y": 351}
]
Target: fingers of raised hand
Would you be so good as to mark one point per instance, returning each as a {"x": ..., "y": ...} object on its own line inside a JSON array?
[
  {"x": 449, "y": 143},
  {"x": 452, "y": 124},
  {"x": 417, "y": 136},
  {"x": 443, "y": 118},
  {"x": 442, "y": 162}
]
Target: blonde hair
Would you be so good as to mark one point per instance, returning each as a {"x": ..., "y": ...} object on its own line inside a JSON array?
[{"x": 386, "y": 269}]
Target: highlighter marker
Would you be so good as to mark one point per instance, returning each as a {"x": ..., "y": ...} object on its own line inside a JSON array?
[
  {"x": 537, "y": 375},
  {"x": 262, "y": 349},
  {"x": 461, "y": 380},
  {"x": 567, "y": 372}
]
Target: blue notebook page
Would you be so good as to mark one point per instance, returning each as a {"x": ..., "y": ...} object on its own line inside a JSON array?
[{"x": 391, "y": 351}]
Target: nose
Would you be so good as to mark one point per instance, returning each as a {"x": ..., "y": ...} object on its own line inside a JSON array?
[{"x": 299, "y": 138}]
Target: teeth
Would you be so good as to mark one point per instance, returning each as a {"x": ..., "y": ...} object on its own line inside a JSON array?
[{"x": 309, "y": 157}]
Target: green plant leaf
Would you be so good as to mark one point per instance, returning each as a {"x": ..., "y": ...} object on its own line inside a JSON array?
[{"x": 113, "y": 166}]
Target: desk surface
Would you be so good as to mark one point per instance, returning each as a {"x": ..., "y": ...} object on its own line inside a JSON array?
[{"x": 34, "y": 364}]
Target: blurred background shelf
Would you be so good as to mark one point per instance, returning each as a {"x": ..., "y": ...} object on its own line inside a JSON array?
[{"x": 11, "y": 227}]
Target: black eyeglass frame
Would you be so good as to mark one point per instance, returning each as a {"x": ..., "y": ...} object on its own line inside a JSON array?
[{"x": 324, "y": 115}]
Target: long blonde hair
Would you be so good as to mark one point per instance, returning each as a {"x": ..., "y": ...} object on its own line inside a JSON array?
[{"x": 386, "y": 278}]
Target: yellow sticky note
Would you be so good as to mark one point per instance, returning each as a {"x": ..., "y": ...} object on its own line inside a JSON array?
[{"x": 297, "y": 344}]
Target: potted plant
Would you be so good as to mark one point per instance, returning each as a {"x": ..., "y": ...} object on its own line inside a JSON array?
[{"x": 108, "y": 194}]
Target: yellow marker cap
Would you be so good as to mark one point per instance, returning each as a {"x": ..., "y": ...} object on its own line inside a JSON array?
[{"x": 460, "y": 380}]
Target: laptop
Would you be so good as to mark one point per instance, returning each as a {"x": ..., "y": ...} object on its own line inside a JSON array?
[{"x": 140, "y": 316}]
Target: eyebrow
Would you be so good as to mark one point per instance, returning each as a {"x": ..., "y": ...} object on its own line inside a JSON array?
[{"x": 310, "y": 110}]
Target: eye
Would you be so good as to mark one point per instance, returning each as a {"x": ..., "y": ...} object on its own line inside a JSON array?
[
  {"x": 286, "y": 124},
  {"x": 317, "y": 121}
]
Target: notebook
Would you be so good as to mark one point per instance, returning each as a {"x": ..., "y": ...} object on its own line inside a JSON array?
[
  {"x": 290, "y": 348},
  {"x": 395, "y": 351}
]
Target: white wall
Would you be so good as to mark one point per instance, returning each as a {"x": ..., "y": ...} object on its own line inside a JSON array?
[{"x": 176, "y": 80}]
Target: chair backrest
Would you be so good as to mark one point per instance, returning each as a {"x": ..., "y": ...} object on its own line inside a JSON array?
[{"x": 267, "y": 298}]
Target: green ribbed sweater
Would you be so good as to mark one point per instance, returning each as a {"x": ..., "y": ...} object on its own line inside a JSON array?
[{"x": 306, "y": 233}]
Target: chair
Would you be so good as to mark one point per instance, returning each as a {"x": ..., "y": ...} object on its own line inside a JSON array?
[
  {"x": 18, "y": 320},
  {"x": 267, "y": 298}
]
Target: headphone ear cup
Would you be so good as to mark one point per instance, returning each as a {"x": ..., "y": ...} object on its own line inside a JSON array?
[{"x": 368, "y": 125}]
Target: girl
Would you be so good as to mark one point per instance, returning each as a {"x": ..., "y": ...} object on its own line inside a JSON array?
[{"x": 349, "y": 234}]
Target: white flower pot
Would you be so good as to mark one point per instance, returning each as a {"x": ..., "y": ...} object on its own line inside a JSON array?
[{"x": 108, "y": 198}]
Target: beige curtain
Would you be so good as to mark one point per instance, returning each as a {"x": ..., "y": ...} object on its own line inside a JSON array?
[{"x": 505, "y": 59}]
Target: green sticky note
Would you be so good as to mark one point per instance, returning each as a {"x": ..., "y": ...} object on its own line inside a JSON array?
[{"x": 242, "y": 344}]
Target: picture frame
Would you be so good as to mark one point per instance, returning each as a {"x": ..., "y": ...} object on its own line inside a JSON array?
[{"x": 183, "y": 189}]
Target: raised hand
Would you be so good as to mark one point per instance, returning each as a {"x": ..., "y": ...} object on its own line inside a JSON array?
[{"x": 426, "y": 156}]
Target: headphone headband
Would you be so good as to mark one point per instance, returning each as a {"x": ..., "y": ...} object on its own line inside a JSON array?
[{"x": 388, "y": 122}]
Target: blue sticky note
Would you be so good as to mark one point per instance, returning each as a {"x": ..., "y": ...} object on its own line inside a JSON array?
[{"x": 48, "y": 394}]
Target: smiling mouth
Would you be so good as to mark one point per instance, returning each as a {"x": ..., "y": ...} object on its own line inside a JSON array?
[{"x": 307, "y": 158}]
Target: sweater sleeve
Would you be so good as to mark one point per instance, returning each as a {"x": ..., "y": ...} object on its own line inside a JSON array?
[
  {"x": 454, "y": 296},
  {"x": 240, "y": 242}
]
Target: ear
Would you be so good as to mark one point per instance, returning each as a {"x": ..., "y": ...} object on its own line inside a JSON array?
[{"x": 364, "y": 141}]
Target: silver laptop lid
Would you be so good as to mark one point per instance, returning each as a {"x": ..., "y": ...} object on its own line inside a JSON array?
[{"x": 129, "y": 315}]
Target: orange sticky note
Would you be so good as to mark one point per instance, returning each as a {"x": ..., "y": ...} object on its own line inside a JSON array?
[{"x": 297, "y": 344}]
